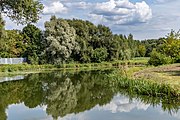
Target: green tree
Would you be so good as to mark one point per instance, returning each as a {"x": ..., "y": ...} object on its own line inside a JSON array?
[
  {"x": 158, "y": 58},
  {"x": 125, "y": 54},
  {"x": 171, "y": 46},
  {"x": 141, "y": 50},
  {"x": 34, "y": 43},
  {"x": 21, "y": 11},
  {"x": 84, "y": 33},
  {"x": 151, "y": 44},
  {"x": 168, "y": 51},
  {"x": 60, "y": 39},
  {"x": 12, "y": 45}
]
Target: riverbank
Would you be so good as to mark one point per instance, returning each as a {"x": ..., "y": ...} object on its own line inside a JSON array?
[
  {"x": 162, "y": 81},
  {"x": 147, "y": 78},
  {"x": 166, "y": 74},
  {"x": 27, "y": 68}
]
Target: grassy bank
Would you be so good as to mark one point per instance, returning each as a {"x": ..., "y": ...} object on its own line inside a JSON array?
[
  {"x": 144, "y": 86},
  {"x": 168, "y": 75},
  {"x": 144, "y": 80},
  {"x": 27, "y": 67},
  {"x": 148, "y": 80}
]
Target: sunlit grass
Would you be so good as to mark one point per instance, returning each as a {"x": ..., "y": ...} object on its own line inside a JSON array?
[
  {"x": 144, "y": 87},
  {"x": 166, "y": 74}
]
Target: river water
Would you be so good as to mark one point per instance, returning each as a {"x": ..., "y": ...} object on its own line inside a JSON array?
[{"x": 78, "y": 95}]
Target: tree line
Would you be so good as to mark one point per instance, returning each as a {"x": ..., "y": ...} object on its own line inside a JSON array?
[{"x": 65, "y": 40}]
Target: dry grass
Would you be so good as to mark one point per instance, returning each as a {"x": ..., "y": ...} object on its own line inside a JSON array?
[{"x": 167, "y": 74}]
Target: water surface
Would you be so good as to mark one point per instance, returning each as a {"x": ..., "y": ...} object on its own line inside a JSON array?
[{"x": 85, "y": 95}]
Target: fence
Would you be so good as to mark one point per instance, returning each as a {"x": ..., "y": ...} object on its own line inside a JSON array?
[
  {"x": 12, "y": 60},
  {"x": 3, "y": 79}
]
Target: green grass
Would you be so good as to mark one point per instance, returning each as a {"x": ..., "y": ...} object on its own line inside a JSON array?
[
  {"x": 28, "y": 67},
  {"x": 144, "y": 87},
  {"x": 166, "y": 74}
]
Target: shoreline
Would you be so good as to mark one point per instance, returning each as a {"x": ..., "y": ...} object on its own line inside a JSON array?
[
  {"x": 167, "y": 75},
  {"x": 164, "y": 74},
  {"x": 26, "y": 68}
]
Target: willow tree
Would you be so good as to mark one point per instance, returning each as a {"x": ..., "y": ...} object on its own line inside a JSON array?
[{"x": 60, "y": 38}]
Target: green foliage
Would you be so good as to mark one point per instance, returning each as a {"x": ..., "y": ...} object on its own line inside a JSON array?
[
  {"x": 33, "y": 42},
  {"x": 144, "y": 87},
  {"x": 126, "y": 54},
  {"x": 21, "y": 11},
  {"x": 151, "y": 44},
  {"x": 141, "y": 50},
  {"x": 157, "y": 58},
  {"x": 73, "y": 92},
  {"x": 68, "y": 41},
  {"x": 91, "y": 37},
  {"x": 168, "y": 51},
  {"x": 171, "y": 46},
  {"x": 60, "y": 39},
  {"x": 12, "y": 45},
  {"x": 99, "y": 55}
]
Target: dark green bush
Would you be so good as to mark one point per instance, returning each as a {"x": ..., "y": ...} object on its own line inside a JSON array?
[
  {"x": 159, "y": 59},
  {"x": 99, "y": 55}
]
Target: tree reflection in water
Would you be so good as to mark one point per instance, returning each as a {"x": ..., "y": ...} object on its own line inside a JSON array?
[{"x": 69, "y": 92}]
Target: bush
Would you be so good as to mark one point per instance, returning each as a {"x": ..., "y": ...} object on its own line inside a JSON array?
[
  {"x": 157, "y": 58},
  {"x": 177, "y": 59},
  {"x": 99, "y": 55}
]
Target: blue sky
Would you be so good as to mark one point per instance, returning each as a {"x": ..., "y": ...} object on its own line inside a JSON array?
[{"x": 145, "y": 19}]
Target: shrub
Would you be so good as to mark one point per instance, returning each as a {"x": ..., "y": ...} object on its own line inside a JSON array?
[
  {"x": 159, "y": 59},
  {"x": 99, "y": 55}
]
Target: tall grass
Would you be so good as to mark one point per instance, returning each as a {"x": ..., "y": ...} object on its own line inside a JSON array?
[{"x": 144, "y": 87}]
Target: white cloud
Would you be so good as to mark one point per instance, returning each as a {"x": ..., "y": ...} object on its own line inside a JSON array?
[
  {"x": 106, "y": 6},
  {"x": 123, "y": 12},
  {"x": 163, "y": 1},
  {"x": 54, "y": 8},
  {"x": 79, "y": 116},
  {"x": 80, "y": 5},
  {"x": 123, "y": 104}
]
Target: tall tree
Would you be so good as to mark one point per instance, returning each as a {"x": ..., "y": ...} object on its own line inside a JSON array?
[
  {"x": 34, "y": 44},
  {"x": 141, "y": 50},
  {"x": 60, "y": 39},
  {"x": 12, "y": 45},
  {"x": 21, "y": 11}
]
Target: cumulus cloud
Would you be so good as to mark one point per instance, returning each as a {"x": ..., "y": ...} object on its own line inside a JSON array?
[
  {"x": 123, "y": 104},
  {"x": 81, "y": 5},
  {"x": 122, "y": 12},
  {"x": 55, "y": 8},
  {"x": 110, "y": 12}
]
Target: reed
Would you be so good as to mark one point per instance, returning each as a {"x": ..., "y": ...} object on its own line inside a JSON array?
[{"x": 144, "y": 87}]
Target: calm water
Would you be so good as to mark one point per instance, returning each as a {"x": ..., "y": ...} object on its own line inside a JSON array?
[{"x": 85, "y": 95}]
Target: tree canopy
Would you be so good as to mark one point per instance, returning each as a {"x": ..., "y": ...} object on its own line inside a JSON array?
[
  {"x": 168, "y": 51},
  {"x": 60, "y": 39},
  {"x": 21, "y": 11}
]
